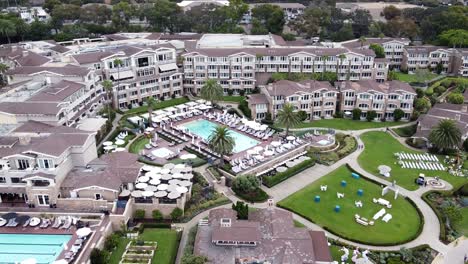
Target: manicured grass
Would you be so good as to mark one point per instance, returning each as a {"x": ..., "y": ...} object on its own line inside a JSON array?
[
  {"x": 347, "y": 124},
  {"x": 336, "y": 253},
  {"x": 159, "y": 105},
  {"x": 168, "y": 243},
  {"x": 233, "y": 98},
  {"x": 404, "y": 77},
  {"x": 462, "y": 226},
  {"x": 380, "y": 149},
  {"x": 402, "y": 227},
  {"x": 138, "y": 144},
  {"x": 117, "y": 253}
]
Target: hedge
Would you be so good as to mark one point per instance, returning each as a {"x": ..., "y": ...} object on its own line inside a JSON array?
[
  {"x": 440, "y": 217},
  {"x": 153, "y": 225},
  {"x": 258, "y": 196},
  {"x": 349, "y": 146},
  {"x": 188, "y": 215},
  {"x": 271, "y": 181}
]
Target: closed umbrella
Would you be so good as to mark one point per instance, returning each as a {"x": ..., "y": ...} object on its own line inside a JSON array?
[
  {"x": 9, "y": 216},
  {"x": 22, "y": 219}
]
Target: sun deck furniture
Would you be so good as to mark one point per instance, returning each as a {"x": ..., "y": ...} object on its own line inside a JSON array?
[
  {"x": 12, "y": 223},
  {"x": 45, "y": 223},
  {"x": 67, "y": 224},
  {"x": 387, "y": 218},
  {"x": 26, "y": 223},
  {"x": 379, "y": 214}
]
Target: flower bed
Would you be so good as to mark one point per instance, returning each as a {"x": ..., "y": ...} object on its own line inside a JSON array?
[{"x": 271, "y": 181}]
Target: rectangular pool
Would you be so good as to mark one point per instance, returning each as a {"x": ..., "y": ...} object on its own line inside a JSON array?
[
  {"x": 204, "y": 128},
  {"x": 15, "y": 248}
]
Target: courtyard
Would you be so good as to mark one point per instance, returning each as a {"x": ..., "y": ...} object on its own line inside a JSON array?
[
  {"x": 379, "y": 150},
  {"x": 403, "y": 226}
]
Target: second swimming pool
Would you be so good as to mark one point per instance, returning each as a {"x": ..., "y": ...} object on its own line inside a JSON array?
[
  {"x": 45, "y": 249},
  {"x": 204, "y": 128}
]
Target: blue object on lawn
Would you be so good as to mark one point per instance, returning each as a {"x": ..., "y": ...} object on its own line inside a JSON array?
[
  {"x": 355, "y": 175},
  {"x": 337, "y": 208},
  {"x": 360, "y": 192},
  {"x": 317, "y": 199},
  {"x": 343, "y": 183}
]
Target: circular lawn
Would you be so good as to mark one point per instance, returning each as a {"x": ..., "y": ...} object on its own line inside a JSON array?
[{"x": 404, "y": 226}]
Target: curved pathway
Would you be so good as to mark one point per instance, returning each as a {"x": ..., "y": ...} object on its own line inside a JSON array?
[{"x": 431, "y": 229}]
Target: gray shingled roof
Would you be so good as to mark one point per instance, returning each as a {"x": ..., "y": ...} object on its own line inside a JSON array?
[
  {"x": 287, "y": 88},
  {"x": 372, "y": 85},
  {"x": 68, "y": 70},
  {"x": 91, "y": 57},
  {"x": 57, "y": 92},
  {"x": 281, "y": 51}
]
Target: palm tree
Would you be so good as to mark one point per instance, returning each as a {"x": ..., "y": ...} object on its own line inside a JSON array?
[
  {"x": 151, "y": 103},
  {"x": 446, "y": 135},
  {"x": 3, "y": 69},
  {"x": 287, "y": 117},
  {"x": 107, "y": 85},
  {"x": 118, "y": 63},
  {"x": 324, "y": 58},
  {"x": 362, "y": 40},
  {"x": 221, "y": 141},
  {"x": 212, "y": 91},
  {"x": 342, "y": 57},
  {"x": 7, "y": 28}
]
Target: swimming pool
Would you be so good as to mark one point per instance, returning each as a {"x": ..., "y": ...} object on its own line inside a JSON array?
[
  {"x": 204, "y": 128},
  {"x": 15, "y": 248}
]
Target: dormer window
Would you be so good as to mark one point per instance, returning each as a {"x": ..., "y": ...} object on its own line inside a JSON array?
[{"x": 23, "y": 164}]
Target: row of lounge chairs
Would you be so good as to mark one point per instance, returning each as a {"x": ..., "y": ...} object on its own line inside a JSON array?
[
  {"x": 75, "y": 248},
  {"x": 259, "y": 134},
  {"x": 205, "y": 152},
  {"x": 165, "y": 133},
  {"x": 422, "y": 165},
  {"x": 412, "y": 156}
]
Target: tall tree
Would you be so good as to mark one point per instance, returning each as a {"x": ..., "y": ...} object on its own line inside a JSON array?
[
  {"x": 445, "y": 135},
  {"x": 221, "y": 141},
  {"x": 107, "y": 85},
  {"x": 378, "y": 49},
  {"x": 270, "y": 16},
  {"x": 7, "y": 29},
  {"x": 391, "y": 12},
  {"x": 163, "y": 15},
  {"x": 288, "y": 117},
  {"x": 310, "y": 23},
  {"x": 457, "y": 38},
  {"x": 151, "y": 103},
  {"x": 3, "y": 69},
  {"x": 325, "y": 59},
  {"x": 212, "y": 91},
  {"x": 362, "y": 40}
]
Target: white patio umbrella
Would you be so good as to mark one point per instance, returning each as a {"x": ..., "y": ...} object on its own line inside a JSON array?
[
  {"x": 163, "y": 187},
  {"x": 156, "y": 169},
  {"x": 151, "y": 188},
  {"x": 166, "y": 177},
  {"x": 172, "y": 188},
  {"x": 147, "y": 193},
  {"x": 168, "y": 166},
  {"x": 165, "y": 171},
  {"x": 108, "y": 147},
  {"x": 290, "y": 138},
  {"x": 119, "y": 142},
  {"x": 182, "y": 189},
  {"x": 147, "y": 168},
  {"x": 119, "y": 149},
  {"x": 124, "y": 193},
  {"x": 107, "y": 143},
  {"x": 268, "y": 153},
  {"x": 276, "y": 143},
  {"x": 290, "y": 164},
  {"x": 160, "y": 194},
  {"x": 143, "y": 179},
  {"x": 177, "y": 175},
  {"x": 185, "y": 183},
  {"x": 153, "y": 174},
  {"x": 281, "y": 169},
  {"x": 188, "y": 156},
  {"x": 187, "y": 176},
  {"x": 136, "y": 194},
  {"x": 179, "y": 166},
  {"x": 141, "y": 185},
  {"x": 173, "y": 195},
  {"x": 155, "y": 182},
  {"x": 149, "y": 129},
  {"x": 83, "y": 232}
]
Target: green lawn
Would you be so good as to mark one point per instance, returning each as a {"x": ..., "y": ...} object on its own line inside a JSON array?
[
  {"x": 138, "y": 144},
  {"x": 402, "y": 227},
  {"x": 297, "y": 223},
  {"x": 406, "y": 131},
  {"x": 233, "y": 98},
  {"x": 462, "y": 227},
  {"x": 117, "y": 253},
  {"x": 347, "y": 124},
  {"x": 168, "y": 243},
  {"x": 404, "y": 77},
  {"x": 159, "y": 105},
  {"x": 380, "y": 149}
]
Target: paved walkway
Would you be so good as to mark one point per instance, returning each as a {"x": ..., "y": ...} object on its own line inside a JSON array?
[
  {"x": 429, "y": 235},
  {"x": 457, "y": 251}
]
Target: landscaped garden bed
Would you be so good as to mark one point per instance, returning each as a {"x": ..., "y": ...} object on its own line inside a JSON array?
[
  {"x": 380, "y": 149},
  {"x": 405, "y": 224},
  {"x": 272, "y": 180},
  {"x": 347, "y": 124}
]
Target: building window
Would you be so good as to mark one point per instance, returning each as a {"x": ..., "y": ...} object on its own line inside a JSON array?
[
  {"x": 98, "y": 196},
  {"x": 46, "y": 163},
  {"x": 43, "y": 200},
  {"x": 23, "y": 164},
  {"x": 2, "y": 180},
  {"x": 15, "y": 180}
]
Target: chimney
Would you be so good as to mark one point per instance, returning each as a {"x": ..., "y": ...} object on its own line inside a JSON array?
[
  {"x": 464, "y": 108},
  {"x": 457, "y": 117},
  {"x": 14, "y": 48},
  {"x": 271, "y": 204},
  {"x": 25, "y": 53},
  {"x": 24, "y": 140}
]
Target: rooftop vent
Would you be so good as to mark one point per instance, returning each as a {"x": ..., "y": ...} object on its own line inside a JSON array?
[{"x": 225, "y": 222}]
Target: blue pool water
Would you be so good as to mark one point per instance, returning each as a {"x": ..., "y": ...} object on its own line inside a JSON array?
[
  {"x": 15, "y": 248},
  {"x": 204, "y": 128}
]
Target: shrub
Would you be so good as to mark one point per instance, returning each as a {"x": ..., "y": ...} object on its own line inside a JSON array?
[
  {"x": 230, "y": 92},
  {"x": 339, "y": 114},
  {"x": 140, "y": 214},
  {"x": 328, "y": 158},
  {"x": 157, "y": 215},
  {"x": 242, "y": 210},
  {"x": 98, "y": 256},
  {"x": 302, "y": 115},
  {"x": 271, "y": 181},
  {"x": 419, "y": 92},
  {"x": 349, "y": 145},
  {"x": 455, "y": 98},
  {"x": 446, "y": 83},
  {"x": 256, "y": 196},
  {"x": 357, "y": 114},
  {"x": 242, "y": 92},
  {"x": 398, "y": 114},
  {"x": 440, "y": 89},
  {"x": 244, "y": 107},
  {"x": 371, "y": 115},
  {"x": 176, "y": 214},
  {"x": 111, "y": 242},
  {"x": 245, "y": 184},
  {"x": 465, "y": 144}
]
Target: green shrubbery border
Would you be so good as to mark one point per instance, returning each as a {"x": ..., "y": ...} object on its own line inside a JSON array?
[{"x": 271, "y": 181}]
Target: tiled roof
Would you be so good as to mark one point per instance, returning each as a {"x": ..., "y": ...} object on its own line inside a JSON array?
[
  {"x": 355, "y": 43},
  {"x": 57, "y": 92},
  {"x": 287, "y": 88},
  {"x": 372, "y": 85},
  {"x": 68, "y": 70},
  {"x": 280, "y": 51},
  {"x": 91, "y": 57}
]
